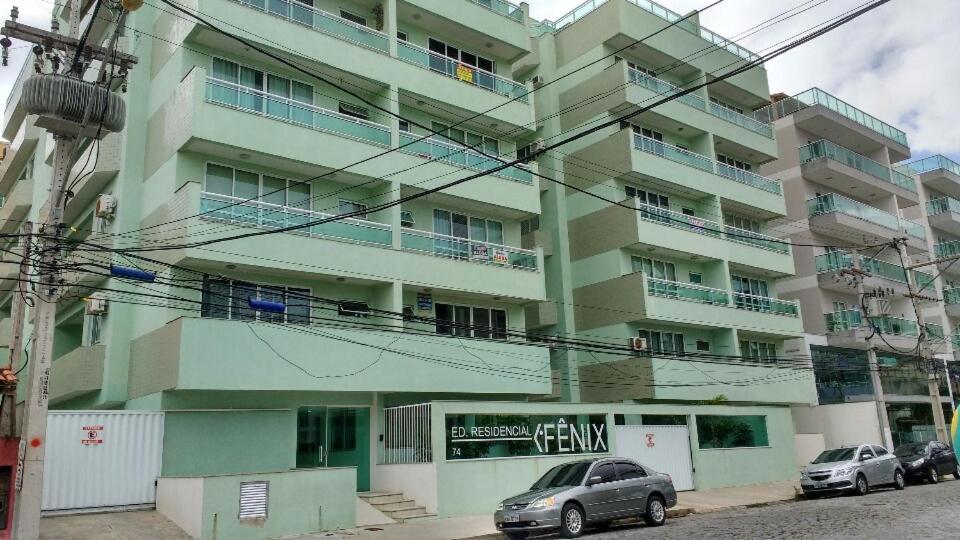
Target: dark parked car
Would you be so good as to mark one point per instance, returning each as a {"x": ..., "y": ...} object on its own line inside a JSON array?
[
  {"x": 928, "y": 460},
  {"x": 595, "y": 491}
]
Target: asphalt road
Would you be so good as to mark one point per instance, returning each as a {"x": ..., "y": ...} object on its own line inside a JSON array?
[{"x": 921, "y": 511}]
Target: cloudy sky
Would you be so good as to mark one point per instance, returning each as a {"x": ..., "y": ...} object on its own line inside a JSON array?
[{"x": 896, "y": 62}]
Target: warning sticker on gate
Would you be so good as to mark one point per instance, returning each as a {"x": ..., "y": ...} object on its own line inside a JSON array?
[{"x": 92, "y": 435}]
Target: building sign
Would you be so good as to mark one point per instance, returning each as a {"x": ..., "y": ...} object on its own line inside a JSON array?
[
  {"x": 424, "y": 302},
  {"x": 501, "y": 256},
  {"x": 92, "y": 435},
  {"x": 480, "y": 436}
]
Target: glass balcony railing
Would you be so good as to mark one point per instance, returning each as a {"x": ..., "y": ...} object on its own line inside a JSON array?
[
  {"x": 664, "y": 88},
  {"x": 934, "y": 331},
  {"x": 744, "y": 236},
  {"x": 832, "y": 203},
  {"x": 692, "y": 159},
  {"x": 774, "y": 306},
  {"x": 687, "y": 291},
  {"x": 816, "y": 96},
  {"x": 459, "y": 155},
  {"x": 895, "y": 326},
  {"x": 884, "y": 269},
  {"x": 913, "y": 229},
  {"x": 677, "y": 220},
  {"x": 668, "y": 15},
  {"x": 923, "y": 279},
  {"x": 941, "y": 205},
  {"x": 833, "y": 261},
  {"x": 931, "y": 163},
  {"x": 827, "y": 149},
  {"x": 951, "y": 296},
  {"x": 452, "y": 247},
  {"x": 506, "y": 9},
  {"x": 838, "y": 260},
  {"x": 947, "y": 249},
  {"x": 287, "y": 110},
  {"x": 840, "y": 321},
  {"x": 461, "y": 72},
  {"x": 321, "y": 21},
  {"x": 271, "y": 216}
]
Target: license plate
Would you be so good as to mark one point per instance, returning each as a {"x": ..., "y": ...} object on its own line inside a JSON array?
[
  {"x": 820, "y": 485},
  {"x": 515, "y": 518}
]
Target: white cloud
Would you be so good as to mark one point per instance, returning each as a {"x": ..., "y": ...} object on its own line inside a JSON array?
[{"x": 895, "y": 62}]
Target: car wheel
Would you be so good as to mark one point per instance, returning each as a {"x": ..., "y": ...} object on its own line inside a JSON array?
[
  {"x": 956, "y": 472},
  {"x": 899, "y": 482},
  {"x": 656, "y": 514},
  {"x": 861, "y": 487},
  {"x": 572, "y": 521},
  {"x": 932, "y": 475}
]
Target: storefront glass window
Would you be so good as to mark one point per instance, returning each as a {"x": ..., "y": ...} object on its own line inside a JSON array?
[
  {"x": 841, "y": 375},
  {"x": 911, "y": 422},
  {"x": 732, "y": 431}
]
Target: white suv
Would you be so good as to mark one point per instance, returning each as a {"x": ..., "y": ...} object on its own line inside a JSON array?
[{"x": 852, "y": 468}]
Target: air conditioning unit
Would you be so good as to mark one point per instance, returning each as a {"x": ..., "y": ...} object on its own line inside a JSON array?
[
  {"x": 538, "y": 145},
  {"x": 638, "y": 344},
  {"x": 878, "y": 307},
  {"x": 106, "y": 205},
  {"x": 537, "y": 81},
  {"x": 96, "y": 304}
]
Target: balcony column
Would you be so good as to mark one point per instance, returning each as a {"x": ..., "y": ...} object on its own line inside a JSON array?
[
  {"x": 389, "y": 297},
  {"x": 390, "y": 24}
]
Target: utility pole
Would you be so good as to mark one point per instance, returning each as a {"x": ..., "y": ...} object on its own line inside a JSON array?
[
  {"x": 927, "y": 361},
  {"x": 873, "y": 365},
  {"x": 69, "y": 108}
]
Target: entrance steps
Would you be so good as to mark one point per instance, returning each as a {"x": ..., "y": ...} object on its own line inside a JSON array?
[{"x": 396, "y": 505}]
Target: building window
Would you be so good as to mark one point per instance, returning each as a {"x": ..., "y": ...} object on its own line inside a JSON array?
[
  {"x": 696, "y": 278},
  {"x": 355, "y": 111},
  {"x": 663, "y": 420},
  {"x": 525, "y": 154},
  {"x": 703, "y": 346},
  {"x": 726, "y": 105},
  {"x": 474, "y": 60},
  {"x": 735, "y": 163},
  {"x": 467, "y": 321},
  {"x": 758, "y": 351},
  {"x": 405, "y": 126},
  {"x": 349, "y": 207},
  {"x": 342, "y": 424},
  {"x": 530, "y": 225},
  {"x": 648, "y": 197},
  {"x": 741, "y": 222},
  {"x": 488, "y": 145},
  {"x": 92, "y": 325},
  {"x": 229, "y": 299},
  {"x": 259, "y": 82},
  {"x": 469, "y": 228},
  {"x": 248, "y": 185},
  {"x": 663, "y": 342},
  {"x": 352, "y": 308},
  {"x": 353, "y": 18},
  {"x": 401, "y": 35},
  {"x": 406, "y": 218},
  {"x": 732, "y": 431},
  {"x": 642, "y": 69},
  {"x": 648, "y": 133},
  {"x": 688, "y": 211},
  {"x": 654, "y": 268}
]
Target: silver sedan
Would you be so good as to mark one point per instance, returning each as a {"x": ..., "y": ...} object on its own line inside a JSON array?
[{"x": 571, "y": 496}]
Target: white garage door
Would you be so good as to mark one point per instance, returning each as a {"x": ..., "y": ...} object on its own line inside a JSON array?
[
  {"x": 97, "y": 459},
  {"x": 664, "y": 448}
]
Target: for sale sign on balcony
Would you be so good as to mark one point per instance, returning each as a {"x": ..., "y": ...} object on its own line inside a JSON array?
[{"x": 464, "y": 73}]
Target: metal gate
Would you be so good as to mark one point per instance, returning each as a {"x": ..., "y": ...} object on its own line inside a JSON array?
[
  {"x": 665, "y": 448},
  {"x": 98, "y": 459}
]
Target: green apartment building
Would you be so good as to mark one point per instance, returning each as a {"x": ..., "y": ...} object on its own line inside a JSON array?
[{"x": 405, "y": 325}]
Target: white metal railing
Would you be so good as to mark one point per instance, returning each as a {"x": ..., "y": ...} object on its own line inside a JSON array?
[
  {"x": 454, "y": 247},
  {"x": 406, "y": 435}
]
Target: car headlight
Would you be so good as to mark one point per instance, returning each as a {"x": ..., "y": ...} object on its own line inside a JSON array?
[
  {"x": 916, "y": 462},
  {"x": 803, "y": 474},
  {"x": 500, "y": 507},
  {"x": 844, "y": 471},
  {"x": 544, "y": 503}
]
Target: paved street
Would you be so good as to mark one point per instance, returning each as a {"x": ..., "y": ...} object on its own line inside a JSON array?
[{"x": 922, "y": 511}]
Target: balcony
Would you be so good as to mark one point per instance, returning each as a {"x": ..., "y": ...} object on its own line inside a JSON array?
[
  {"x": 77, "y": 373},
  {"x": 951, "y": 301},
  {"x": 944, "y": 214},
  {"x": 637, "y": 297},
  {"x": 474, "y": 22},
  {"x": 221, "y": 355},
  {"x": 16, "y": 205},
  {"x": 936, "y": 172},
  {"x": 458, "y": 155},
  {"x": 857, "y": 223},
  {"x": 948, "y": 249},
  {"x": 850, "y": 329},
  {"x": 818, "y": 112},
  {"x": 853, "y": 174},
  {"x": 462, "y": 249},
  {"x": 443, "y": 65},
  {"x": 321, "y": 21},
  {"x": 883, "y": 274}
]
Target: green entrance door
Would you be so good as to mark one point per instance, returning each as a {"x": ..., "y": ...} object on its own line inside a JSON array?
[{"x": 335, "y": 437}]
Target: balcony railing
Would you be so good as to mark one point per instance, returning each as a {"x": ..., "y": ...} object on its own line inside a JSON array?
[
  {"x": 453, "y": 247},
  {"x": 838, "y": 260},
  {"x": 951, "y": 295},
  {"x": 839, "y": 321},
  {"x": 294, "y": 112},
  {"x": 832, "y": 203},
  {"x": 272, "y": 216},
  {"x": 687, "y": 291},
  {"x": 462, "y": 72},
  {"x": 458, "y": 155},
  {"x": 692, "y": 159},
  {"x": 941, "y": 205},
  {"x": 321, "y": 21},
  {"x": 764, "y": 304},
  {"x": 664, "y": 88},
  {"x": 934, "y": 331},
  {"x": 816, "y": 96},
  {"x": 744, "y": 236},
  {"x": 947, "y": 249},
  {"x": 931, "y": 163},
  {"x": 913, "y": 228},
  {"x": 895, "y": 326},
  {"x": 706, "y": 227},
  {"x": 589, "y": 6},
  {"x": 502, "y": 7},
  {"x": 827, "y": 149}
]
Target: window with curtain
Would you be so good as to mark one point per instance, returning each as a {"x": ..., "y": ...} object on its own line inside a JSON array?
[
  {"x": 714, "y": 431},
  {"x": 229, "y": 299}
]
